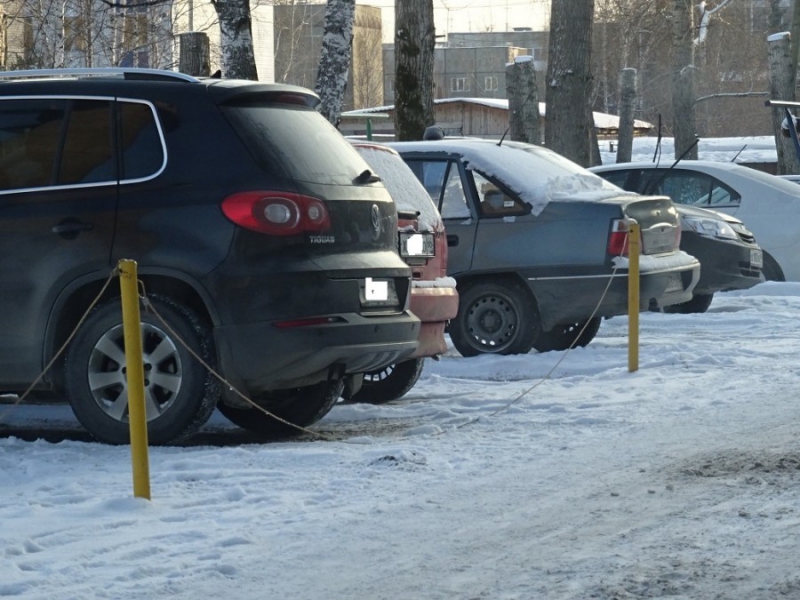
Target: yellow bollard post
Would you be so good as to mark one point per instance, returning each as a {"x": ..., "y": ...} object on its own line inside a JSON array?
[
  {"x": 634, "y": 248},
  {"x": 137, "y": 415}
]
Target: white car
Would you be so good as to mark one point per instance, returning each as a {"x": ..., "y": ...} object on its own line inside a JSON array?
[{"x": 769, "y": 205}]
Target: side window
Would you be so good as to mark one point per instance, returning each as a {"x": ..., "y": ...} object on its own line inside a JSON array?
[
  {"x": 442, "y": 181},
  {"x": 30, "y": 133},
  {"x": 494, "y": 202},
  {"x": 87, "y": 155},
  {"x": 142, "y": 151},
  {"x": 454, "y": 200},
  {"x": 722, "y": 195},
  {"x": 618, "y": 178}
]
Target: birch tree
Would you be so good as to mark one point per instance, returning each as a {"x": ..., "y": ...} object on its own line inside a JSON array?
[
  {"x": 334, "y": 64},
  {"x": 414, "y": 41},
  {"x": 568, "y": 89},
  {"x": 236, "y": 39}
]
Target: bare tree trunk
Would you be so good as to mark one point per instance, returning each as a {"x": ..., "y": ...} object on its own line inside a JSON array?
[
  {"x": 795, "y": 38},
  {"x": 523, "y": 102},
  {"x": 334, "y": 64},
  {"x": 782, "y": 84},
  {"x": 194, "y": 54},
  {"x": 414, "y": 40},
  {"x": 683, "y": 76},
  {"x": 568, "y": 122},
  {"x": 236, "y": 33},
  {"x": 627, "y": 87}
]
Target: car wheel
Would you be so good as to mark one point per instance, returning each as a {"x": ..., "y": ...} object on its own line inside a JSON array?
[
  {"x": 498, "y": 317},
  {"x": 698, "y": 304},
  {"x": 562, "y": 337},
  {"x": 771, "y": 271},
  {"x": 390, "y": 383},
  {"x": 301, "y": 406},
  {"x": 180, "y": 394}
]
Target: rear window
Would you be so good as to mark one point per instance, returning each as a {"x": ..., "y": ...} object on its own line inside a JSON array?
[
  {"x": 295, "y": 142},
  {"x": 404, "y": 187}
]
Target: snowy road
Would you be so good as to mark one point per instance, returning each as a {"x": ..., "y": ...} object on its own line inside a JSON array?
[{"x": 681, "y": 480}]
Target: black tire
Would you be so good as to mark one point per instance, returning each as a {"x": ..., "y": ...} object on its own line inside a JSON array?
[
  {"x": 390, "y": 383},
  {"x": 301, "y": 406},
  {"x": 698, "y": 304},
  {"x": 562, "y": 337},
  {"x": 495, "y": 317},
  {"x": 180, "y": 394},
  {"x": 771, "y": 271}
]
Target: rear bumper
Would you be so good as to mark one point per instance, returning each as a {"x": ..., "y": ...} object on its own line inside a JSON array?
[
  {"x": 260, "y": 357},
  {"x": 575, "y": 298},
  {"x": 434, "y": 306}
]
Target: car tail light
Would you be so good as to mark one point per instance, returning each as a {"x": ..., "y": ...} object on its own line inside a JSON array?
[
  {"x": 618, "y": 238},
  {"x": 277, "y": 213}
]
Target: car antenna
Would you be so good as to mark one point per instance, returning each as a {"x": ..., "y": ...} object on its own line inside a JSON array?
[
  {"x": 658, "y": 181},
  {"x": 738, "y": 153},
  {"x": 500, "y": 143}
]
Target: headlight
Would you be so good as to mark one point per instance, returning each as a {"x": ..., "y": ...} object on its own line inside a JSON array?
[{"x": 710, "y": 227}]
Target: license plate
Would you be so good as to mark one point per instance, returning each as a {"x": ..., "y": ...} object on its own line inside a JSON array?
[
  {"x": 378, "y": 292},
  {"x": 416, "y": 244},
  {"x": 756, "y": 258},
  {"x": 657, "y": 240},
  {"x": 675, "y": 284}
]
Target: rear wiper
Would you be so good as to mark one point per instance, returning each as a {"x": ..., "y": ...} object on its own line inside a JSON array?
[{"x": 366, "y": 176}]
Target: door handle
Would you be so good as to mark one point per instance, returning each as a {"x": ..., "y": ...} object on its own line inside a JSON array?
[
  {"x": 70, "y": 228},
  {"x": 452, "y": 240}
]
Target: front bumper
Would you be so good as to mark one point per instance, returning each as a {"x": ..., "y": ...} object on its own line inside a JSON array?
[{"x": 726, "y": 265}]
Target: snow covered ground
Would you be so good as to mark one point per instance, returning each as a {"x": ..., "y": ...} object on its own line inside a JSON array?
[{"x": 545, "y": 476}]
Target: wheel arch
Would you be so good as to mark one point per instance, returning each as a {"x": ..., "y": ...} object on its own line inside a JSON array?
[
  {"x": 771, "y": 267},
  {"x": 73, "y": 301},
  {"x": 466, "y": 280}
]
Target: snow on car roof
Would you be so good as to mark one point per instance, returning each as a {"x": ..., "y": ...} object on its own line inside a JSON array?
[
  {"x": 536, "y": 174},
  {"x": 406, "y": 190}
]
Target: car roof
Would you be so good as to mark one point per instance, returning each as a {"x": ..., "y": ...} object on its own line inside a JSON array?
[
  {"x": 666, "y": 164},
  {"x": 536, "y": 174},
  {"x": 105, "y": 79}
]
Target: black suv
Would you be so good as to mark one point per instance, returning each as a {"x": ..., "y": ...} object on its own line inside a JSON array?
[{"x": 262, "y": 240}]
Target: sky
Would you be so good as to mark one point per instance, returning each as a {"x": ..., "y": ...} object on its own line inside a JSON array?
[
  {"x": 560, "y": 476},
  {"x": 473, "y": 15}
]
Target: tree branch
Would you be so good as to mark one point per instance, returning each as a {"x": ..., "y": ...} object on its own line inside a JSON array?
[{"x": 730, "y": 95}]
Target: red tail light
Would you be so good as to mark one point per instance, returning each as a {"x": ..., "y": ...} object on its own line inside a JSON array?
[
  {"x": 277, "y": 213},
  {"x": 618, "y": 238}
]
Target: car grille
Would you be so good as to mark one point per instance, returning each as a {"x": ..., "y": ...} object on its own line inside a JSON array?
[{"x": 748, "y": 271}]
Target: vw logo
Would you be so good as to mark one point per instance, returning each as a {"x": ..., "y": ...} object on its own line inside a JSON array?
[{"x": 376, "y": 221}]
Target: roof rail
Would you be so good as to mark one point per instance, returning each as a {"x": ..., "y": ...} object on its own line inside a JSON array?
[{"x": 126, "y": 73}]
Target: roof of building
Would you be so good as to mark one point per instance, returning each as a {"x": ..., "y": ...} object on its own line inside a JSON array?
[{"x": 601, "y": 120}]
